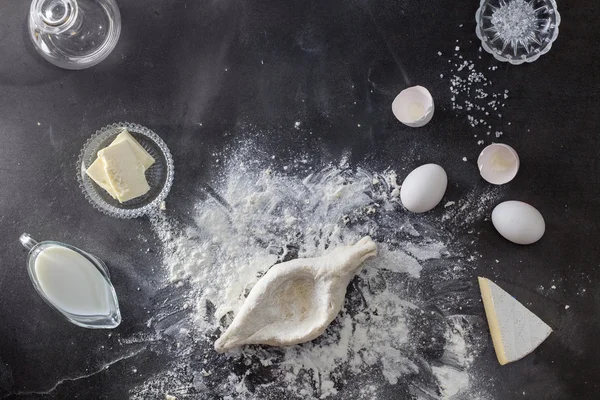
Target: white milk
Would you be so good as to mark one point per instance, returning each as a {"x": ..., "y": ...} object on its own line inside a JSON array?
[{"x": 71, "y": 282}]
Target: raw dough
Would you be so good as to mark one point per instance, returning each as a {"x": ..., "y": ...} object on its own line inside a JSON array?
[{"x": 295, "y": 301}]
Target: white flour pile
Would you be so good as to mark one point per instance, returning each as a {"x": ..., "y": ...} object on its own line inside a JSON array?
[{"x": 400, "y": 333}]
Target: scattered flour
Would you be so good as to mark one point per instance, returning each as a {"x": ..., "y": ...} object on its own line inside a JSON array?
[
  {"x": 395, "y": 328},
  {"x": 473, "y": 206}
]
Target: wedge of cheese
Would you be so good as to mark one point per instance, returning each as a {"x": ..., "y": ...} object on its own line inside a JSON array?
[
  {"x": 515, "y": 330},
  {"x": 124, "y": 171},
  {"x": 142, "y": 155}
]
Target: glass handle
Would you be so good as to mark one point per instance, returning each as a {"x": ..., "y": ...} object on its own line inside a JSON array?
[
  {"x": 55, "y": 12},
  {"x": 27, "y": 241}
]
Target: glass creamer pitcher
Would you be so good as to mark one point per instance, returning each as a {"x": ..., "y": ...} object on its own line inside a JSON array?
[{"x": 73, "y": 282}]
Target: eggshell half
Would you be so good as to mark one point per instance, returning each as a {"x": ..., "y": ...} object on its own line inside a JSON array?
[
  {"x": 518, "y": 222},
  {"x": 424, "y": 188},
  {"x": 414, "y": 106},
  {"x": 498, "y": 163}
]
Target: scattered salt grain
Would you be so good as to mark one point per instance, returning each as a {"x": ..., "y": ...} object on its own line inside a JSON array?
[{"x": 472, "y": 93}]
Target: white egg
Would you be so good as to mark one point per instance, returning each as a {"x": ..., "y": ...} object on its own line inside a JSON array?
[
  {"x": 498, "y": 163},
  {"x": 413, "y": 106},
  {"x": 424, "y": 188},
  {"x": 518, "y": 222}
]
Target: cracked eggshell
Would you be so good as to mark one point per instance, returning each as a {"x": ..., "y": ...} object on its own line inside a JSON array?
[
  {"x": 424, "y": 188},
  {"x": 413, "y": 106},
  {"x": 498, "y": 163}
]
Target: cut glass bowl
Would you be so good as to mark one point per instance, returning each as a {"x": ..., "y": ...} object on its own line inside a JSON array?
[
  {"x": 159, "y": 175},
  {"x": 517, "y": 31}
]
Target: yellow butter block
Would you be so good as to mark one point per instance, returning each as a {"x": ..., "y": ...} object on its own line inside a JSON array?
[
  {"x": 98, "y": 175},
  {"x": 124, "y": 171},
  {"x": 142, "y": 155},
  {"x": 97, "y": 171}
]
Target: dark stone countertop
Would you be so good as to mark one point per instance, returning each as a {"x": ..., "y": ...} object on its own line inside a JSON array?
[{"x": 268, "y": 64}]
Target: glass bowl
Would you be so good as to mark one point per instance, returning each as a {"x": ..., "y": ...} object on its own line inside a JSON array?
[
  {"x": 159, "y": 175},
  {"x": 517, "y": 31}
]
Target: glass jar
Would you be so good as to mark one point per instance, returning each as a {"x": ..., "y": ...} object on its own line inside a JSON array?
[{"x": 74, "y": 34}]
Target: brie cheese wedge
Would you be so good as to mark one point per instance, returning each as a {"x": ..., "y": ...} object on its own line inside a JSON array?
[{"x": 515, "y": 330}]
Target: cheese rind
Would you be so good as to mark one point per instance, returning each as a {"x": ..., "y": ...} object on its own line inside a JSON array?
[
  {"x": 124, "y": 171},
  {"x": 515, "y": 330},
  {"x": 98, "y": 174},
  {"x": 141, "y": 154}
]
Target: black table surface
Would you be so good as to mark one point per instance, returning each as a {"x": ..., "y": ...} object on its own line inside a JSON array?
[{"x": 198, "y": 72}]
